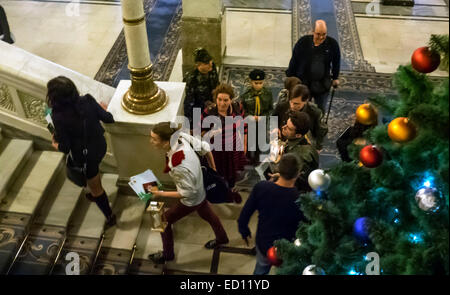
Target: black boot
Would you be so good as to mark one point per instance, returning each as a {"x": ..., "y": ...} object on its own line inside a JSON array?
[
  {"x": 103, "y": 203},
  {"x": 90, "y": 197}
]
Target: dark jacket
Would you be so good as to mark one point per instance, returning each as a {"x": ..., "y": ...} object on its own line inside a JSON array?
[
  {"x": 318, "y": 127},
  {"x": 199, "y": 89},
  {"x": 69, "y": 130},
  {"x": 302, "y": 55},
  {"x": 279, "y": 215},
  {"x": 309, "y": 160}
]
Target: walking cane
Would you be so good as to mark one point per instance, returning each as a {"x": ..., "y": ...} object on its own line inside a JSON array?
[{"x": 329, "y": 107}]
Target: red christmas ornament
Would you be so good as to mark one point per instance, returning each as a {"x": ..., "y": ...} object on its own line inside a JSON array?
[
  {"x": 272, "y": 257},
  {"x": 370, "y": 156},
  {"x": 425, "y": 61}
]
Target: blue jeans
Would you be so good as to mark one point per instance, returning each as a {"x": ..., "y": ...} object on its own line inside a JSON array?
[
  {"x": 262, "y": 264},
  {"x": 321, "y": 101}
]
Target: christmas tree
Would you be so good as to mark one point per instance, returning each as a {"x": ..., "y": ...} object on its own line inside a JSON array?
[{"x": 392, "y": 201}]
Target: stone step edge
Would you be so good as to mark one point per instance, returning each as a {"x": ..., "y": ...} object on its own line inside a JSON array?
[{"x": 27, "y": 152}]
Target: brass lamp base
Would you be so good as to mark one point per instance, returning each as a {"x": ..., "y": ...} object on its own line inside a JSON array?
[{"x": 144, "y": 96}]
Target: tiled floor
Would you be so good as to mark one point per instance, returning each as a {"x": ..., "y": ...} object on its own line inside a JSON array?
[
  {"x": 80, "y": 43},
  {"x": 190, "y": 235},
  {"x": 258, "y": 38},
  {"x": 388, "y": 43}
]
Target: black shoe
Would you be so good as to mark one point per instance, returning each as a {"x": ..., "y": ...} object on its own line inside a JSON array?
[
  {"x": 158, "y": 258},
  {"x": 110, "y": 222},
  {"x": 212, "y": 244}
]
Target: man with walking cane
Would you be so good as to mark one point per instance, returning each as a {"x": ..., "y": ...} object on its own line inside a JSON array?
[
  {"x": 316, "y": 62},
  {"x": 331, "y": 102}
]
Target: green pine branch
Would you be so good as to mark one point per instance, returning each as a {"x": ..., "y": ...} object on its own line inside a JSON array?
[{"x": 440, "y": 45}]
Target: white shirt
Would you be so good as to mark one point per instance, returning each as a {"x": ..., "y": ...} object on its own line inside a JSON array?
[{"x": 187, "y": 175}]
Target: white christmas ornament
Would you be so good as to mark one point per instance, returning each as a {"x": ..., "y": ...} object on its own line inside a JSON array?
[
  {"x": 429, "y": 199},
  {"x": 312, "y": 270},
  {"x": 318, "y": 180}
]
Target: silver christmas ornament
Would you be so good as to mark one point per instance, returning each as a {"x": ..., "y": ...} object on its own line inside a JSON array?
[
  {"x": 429, "y": 199},
  {"x": 312, "y": 270},
  {"x": 318, "y": 180},
  {"x": 297, "y": 242}
]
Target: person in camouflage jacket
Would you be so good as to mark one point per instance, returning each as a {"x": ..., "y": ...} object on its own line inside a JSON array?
[
  {"x": 200, "y": 83},
  {"x": 294, "y": 132},
  {"x": 257, "y": 101}
]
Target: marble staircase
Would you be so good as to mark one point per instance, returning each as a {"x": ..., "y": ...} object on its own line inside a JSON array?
[
  {"x": 44, "y": 217},
  {"x": 22, "y": 199}
]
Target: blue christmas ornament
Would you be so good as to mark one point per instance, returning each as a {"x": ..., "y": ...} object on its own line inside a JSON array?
[{"x": 361, "y": 229}]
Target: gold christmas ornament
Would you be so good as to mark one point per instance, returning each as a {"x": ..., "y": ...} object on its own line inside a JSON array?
[
  {"x": 366, "y": 114},
  {"x": 401, "y": 130}
]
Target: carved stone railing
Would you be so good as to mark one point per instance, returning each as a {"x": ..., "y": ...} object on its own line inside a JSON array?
[{"x": 23, "y": 80}]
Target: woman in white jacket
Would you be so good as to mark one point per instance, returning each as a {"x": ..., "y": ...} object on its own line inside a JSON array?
[{"x": 183, "y": 165}]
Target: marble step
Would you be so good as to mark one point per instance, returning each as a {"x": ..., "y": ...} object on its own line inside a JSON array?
[
  {"x": 49, "y": 229},
  {"x": 85, "y": 229},
  {"x": 117, "y": 248},
  {"x": 147, "y": 242},
  {"x": 12, "y": 159},
  {"x": 88, "y": 220},
  {"x": 33, "y": 182},
  {"x": 20, "y": 204},
  {"x": 58, "y": 210}
]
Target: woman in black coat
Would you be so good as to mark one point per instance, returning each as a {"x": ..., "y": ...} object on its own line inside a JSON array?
[{"x": 72, "y": 114}]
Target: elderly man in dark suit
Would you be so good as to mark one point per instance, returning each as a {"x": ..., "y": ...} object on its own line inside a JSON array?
[{"x": 316, "y": 62}]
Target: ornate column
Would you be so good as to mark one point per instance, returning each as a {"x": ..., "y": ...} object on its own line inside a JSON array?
[
  {"x": 160, "y": 101},
  {"x": 143, "y": 97}
]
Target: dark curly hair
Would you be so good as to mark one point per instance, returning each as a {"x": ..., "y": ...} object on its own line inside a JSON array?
[
  {"x": 61, "y": 92},
  {"x": 301, "y": 121},
  {"x": 223, "y": 88}
]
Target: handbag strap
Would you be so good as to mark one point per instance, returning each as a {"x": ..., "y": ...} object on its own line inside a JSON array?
[{"x": 85, "y": 150}]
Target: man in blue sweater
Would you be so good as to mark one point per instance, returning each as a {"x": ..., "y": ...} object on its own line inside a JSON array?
[
  {"x": 316, "y": 61},
  {"x": 279, "y": 215}
]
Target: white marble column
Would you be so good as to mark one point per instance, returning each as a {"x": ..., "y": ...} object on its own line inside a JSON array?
[
  {"x": 144, "y": 97},
  {"x": 130, "y": 135}
]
